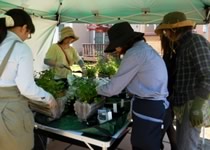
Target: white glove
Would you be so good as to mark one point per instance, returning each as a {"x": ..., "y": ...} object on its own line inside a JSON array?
[
  {"x": 54, "y": 107},
  {"x": 102, "y": 81},
  {"x": 62, "y": 103},
  {"x": 84, "y": 71},
  {"x": 70, "y": 78}
]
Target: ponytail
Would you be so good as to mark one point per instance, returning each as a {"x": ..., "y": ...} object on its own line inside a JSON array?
[{"x": 3, "y": 29}]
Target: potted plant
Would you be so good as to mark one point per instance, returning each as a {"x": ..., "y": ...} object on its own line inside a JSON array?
[
  {"x": 107, "y": 66},
  {"x": 87, "y": 101},
  {"x": 45, "y": 80},
  {"x": 91, "y": 71}
]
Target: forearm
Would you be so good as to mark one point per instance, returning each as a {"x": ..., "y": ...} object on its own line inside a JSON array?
[
  {"x": 49, "y": 62},
  {"x": 81, "y": 63}
]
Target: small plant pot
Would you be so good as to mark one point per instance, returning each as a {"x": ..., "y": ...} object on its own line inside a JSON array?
[{"x": 84, "y": 110}]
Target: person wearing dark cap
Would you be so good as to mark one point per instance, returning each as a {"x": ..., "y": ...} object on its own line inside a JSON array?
[
  {"x": 61, "y": 56},
  {"x": 143, "y": 73},
  {"x": 191, "y": 83}
]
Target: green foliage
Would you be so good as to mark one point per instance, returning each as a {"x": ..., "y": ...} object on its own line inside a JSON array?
[
  {"x": 107, "y": 67},
  {"x": 85, "y": 89},
  {"x": 45, "y": 79},
  {"x": 91, "y": 71}
]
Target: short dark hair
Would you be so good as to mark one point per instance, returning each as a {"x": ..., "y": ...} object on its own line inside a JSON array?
[{"x": 20, "y": 18}]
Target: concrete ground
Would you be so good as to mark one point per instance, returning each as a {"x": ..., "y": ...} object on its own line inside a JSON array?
[{"x": 125, "y": 143}]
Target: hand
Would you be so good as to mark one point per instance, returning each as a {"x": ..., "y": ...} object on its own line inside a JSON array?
[
  {"x": 196, "y": 113},
  {"x": 84, "y": 71},
  {"x": 102, "y": 81},
  {"x": 62, "y": 103},
  {"x": 59, "y": 65},
  {"x": 54, "y": 107}
]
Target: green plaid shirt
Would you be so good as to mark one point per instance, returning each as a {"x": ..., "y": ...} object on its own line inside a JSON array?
[{"x": 192, "y": 69}]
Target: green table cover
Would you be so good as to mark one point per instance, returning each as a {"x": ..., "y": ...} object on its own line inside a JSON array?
[{"x": 104, "y": 131}]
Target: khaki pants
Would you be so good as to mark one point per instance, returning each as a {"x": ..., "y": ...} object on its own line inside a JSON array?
[{"x": 16, "y": 121}]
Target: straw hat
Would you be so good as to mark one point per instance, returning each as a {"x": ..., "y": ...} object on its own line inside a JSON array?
[
  {"x": 174, "y": 20},
  {"x": 118, "y": 34},
  {"x": 67, "y": 32}
]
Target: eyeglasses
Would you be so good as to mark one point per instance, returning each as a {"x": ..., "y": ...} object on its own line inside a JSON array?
[
  {"x": 29, "y": 36},
  {"x": 29, "y": 33}
]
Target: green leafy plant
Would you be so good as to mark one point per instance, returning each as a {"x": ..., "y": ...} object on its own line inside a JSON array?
[
  {"x": 107, "y": 67},
  {"x": 85, "y": 90},
  {"x": 91, "y": 71},
  {"x": 45, "y": 80}
]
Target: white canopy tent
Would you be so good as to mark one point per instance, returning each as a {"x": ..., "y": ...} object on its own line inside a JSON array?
[
  {"x": 47, "y": 14},
  {"x": 110, "y": 11}
]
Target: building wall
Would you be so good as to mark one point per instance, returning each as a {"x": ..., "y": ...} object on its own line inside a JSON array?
[
  {"x": 83, "y": 34},
  {"x": 152, "y": 39},
  {"x": 203, "y": 30}
]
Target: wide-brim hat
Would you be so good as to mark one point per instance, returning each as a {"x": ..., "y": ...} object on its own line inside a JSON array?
[
  {"x": 119, "y": 34},
  {"x": 174, "y": 20},
  {"x": 67, "y": 32}
]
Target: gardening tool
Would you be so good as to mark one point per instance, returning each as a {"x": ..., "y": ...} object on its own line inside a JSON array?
[{"x": 72, "y": 70}]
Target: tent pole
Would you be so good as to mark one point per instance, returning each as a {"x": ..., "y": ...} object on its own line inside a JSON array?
[
  {"x": 207, "y": 31},
  {"x": 207, "y": 37}
]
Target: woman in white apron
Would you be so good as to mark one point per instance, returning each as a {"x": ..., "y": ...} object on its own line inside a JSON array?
[{"x": 17, "y": 84}]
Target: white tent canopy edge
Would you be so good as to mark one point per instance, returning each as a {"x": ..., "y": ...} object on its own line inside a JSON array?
[{"x": 110, "y": 11}]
